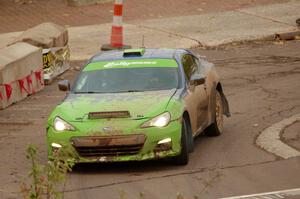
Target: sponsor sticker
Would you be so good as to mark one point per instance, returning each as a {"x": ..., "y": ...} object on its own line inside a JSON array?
[{"x": 124, "y": 63}]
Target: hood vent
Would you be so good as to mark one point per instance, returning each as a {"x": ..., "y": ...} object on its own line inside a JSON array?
[{"x": 109, "y": 114}]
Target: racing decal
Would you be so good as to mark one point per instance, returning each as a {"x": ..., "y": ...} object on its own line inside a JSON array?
[
  {"x": 131, "y": 63},
  {"x": 124, "y": 63}
]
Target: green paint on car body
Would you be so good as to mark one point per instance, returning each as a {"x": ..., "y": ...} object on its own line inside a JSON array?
[
  {"x": 94, "y": 128},
  {"x": 142, "y": 106}
]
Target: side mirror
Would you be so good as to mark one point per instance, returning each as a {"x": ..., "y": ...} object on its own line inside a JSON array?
[
  {"x": 64, "y": 85},
  {"x": 197, "y": 79}
]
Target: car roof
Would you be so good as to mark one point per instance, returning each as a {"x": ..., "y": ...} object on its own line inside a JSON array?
[{"x": 148, "y": 53}]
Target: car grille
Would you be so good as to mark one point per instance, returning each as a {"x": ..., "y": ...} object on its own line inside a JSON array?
[
  {"x": 108, "y": 151},
  {"x": 98, "y": 146}
]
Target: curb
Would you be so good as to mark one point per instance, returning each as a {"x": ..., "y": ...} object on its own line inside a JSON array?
[
  {"x": 288, "y": 35},
  {"x": 270, "y": 138},
  {"x": 284, "y": 36},
  {"x": 107, "y": 47},
  {"x": 77, "y": 3}
]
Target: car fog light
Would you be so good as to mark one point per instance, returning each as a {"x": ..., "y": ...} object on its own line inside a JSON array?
[
  {"x": 55, "y": 145},
  {"x": 163, "y": 145},
  {"x": 55, "y": 148},
  {"x": 165, "y": 141}
]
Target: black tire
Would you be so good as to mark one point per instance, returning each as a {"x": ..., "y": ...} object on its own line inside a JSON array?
[
  {"x": 216, "y": 128},
  {"x": 190, "y": 138},
  {"x": 183, "y": 158}
]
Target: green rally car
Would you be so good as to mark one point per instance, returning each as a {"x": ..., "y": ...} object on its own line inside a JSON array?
[{"x": 138, "y": 104}]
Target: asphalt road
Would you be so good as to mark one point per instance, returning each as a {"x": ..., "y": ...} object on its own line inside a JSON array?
[{"x": 261, "y": 81}]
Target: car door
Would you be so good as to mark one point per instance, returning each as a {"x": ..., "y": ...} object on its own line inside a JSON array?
[
  {"x": 203, "y": 113},
  {"x": 196, "y": 99}
]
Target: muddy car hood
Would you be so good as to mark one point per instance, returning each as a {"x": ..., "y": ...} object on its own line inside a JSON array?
[{"x": 76, "y": 107}]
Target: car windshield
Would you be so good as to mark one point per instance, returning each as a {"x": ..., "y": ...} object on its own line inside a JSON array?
[{"x": 127, "y": 80}]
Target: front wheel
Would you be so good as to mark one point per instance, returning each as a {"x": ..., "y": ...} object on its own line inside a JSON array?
[
  {"x": 216, "y": 128},
  {"x": 183, "y": 158}
]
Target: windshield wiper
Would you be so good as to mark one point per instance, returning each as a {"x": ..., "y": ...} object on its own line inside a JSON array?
[
  {"x": 86, "y": 92},
  {"x": 131, "y": 91},
  {"x": 91, "y": 92}
]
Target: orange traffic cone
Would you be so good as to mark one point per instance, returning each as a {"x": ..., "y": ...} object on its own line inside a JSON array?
[{"x": 116, "y": 40}]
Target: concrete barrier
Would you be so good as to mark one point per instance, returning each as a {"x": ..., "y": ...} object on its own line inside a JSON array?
[
  {"x": 21, "y": 72},
  {"x": 45, "y": 35},
  {"x": 54, "y": 41}
]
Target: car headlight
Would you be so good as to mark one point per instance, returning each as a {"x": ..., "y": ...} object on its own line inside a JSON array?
[
  {"x": 159, "y": 121},
  {"x": 61, "y": 125}
]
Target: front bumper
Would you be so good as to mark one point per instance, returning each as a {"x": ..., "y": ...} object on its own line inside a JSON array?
[{"x": 134, "y": 145}]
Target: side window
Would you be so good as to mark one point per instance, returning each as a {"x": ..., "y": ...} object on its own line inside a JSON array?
[{"x": 189, "y": 65}]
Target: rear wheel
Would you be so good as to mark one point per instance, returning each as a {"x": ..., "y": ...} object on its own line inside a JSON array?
[
  {"x": 183, "y": 158},
  {"x": 216, "y": 128}
]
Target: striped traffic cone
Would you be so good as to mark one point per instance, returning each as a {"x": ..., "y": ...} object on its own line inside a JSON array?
[{"x": 116, "y": 41}]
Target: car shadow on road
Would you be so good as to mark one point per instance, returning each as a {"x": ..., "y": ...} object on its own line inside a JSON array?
[
  {"x": 120, "y": 166},
  {"x": 124, "y": 167},
  {"x": 139, "y": 166}
]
